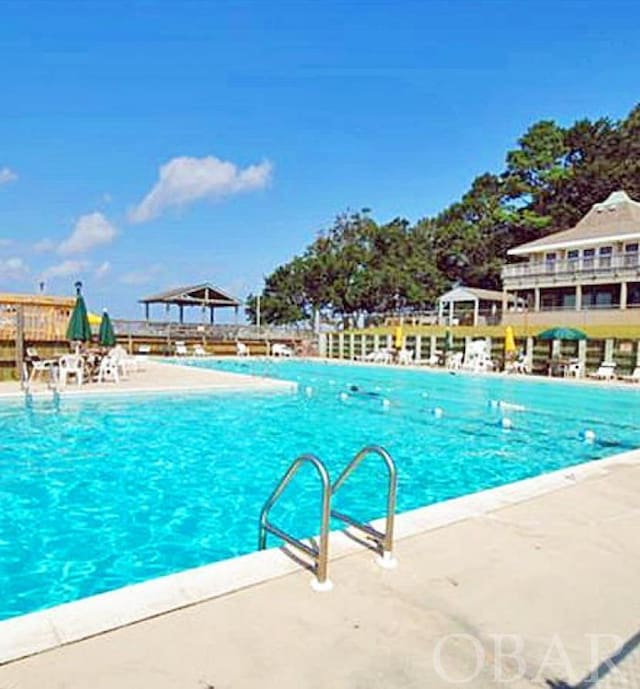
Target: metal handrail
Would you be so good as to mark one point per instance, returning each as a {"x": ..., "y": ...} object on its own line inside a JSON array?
[
  {"x": 319, "y": 554},
  {"x": 383, "y": 541}
]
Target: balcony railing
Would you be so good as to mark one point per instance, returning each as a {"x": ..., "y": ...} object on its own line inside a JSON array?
[{"x": 601, "y": 266}]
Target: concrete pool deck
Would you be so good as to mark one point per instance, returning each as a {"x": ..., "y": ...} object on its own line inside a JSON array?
[
  {"x": 554, "y": 564},
  {"x": 158, "y": 376}
]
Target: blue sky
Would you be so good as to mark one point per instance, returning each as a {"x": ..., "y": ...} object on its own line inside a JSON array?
[{"x": 147, "y": 145}]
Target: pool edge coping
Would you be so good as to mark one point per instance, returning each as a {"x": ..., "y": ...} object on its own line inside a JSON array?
[{"x": 45, "y": 630}]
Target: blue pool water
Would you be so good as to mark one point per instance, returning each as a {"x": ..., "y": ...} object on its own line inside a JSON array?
[{"x": 98, "y": 493}]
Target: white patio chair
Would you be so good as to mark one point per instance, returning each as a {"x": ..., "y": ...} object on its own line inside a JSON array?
[
  {"x": 574, "y": 369},
  {"x": 38, "y": 366},
  {"x": 242, "y": 349},
  {"x": 199, "y": 350},
  {"x": 405, "y": 357},
  {"x": 454, "y": 361},
  {"x": 181, "y": 349},
  {"x": 71, "y": 365},
  {"x": 109, "y": 369},
  {"x": 127, "y": 364}
]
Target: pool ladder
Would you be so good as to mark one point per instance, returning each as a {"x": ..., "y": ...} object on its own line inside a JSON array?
[{"x": 318, "y": 551}]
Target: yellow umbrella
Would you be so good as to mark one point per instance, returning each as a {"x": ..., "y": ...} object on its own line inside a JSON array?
[
  {"x": 398, "y": 337},
  {"x": 509, "y": 341},
  {"x": 94, "y": 319}
]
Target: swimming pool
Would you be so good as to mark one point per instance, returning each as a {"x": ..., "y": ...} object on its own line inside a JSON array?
[{"x": 100, "y": 492}]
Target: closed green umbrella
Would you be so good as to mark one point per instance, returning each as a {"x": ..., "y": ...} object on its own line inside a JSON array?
[
  {"x": 106, "y": 336},
  {"x": 448, "y": 340},
  {"x": 562, "y": 334},
  {"x": 79, "y": 329}
]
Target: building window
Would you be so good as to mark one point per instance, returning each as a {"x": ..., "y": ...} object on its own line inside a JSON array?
[
  {"x": 631, "y": 255},
  {"x": 573, "y": 256},
  {"x": 588, "y": 258},
  {"x": 550, "y": 262},
  {"x": 604, "y": 256}
]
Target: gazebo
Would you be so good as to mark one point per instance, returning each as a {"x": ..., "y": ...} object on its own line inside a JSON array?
[
  {"x": 471, "y": 306},
  {"x": 205, "y": 296}
]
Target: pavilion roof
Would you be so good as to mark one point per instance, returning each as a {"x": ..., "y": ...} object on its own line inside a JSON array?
[{"x": 204, "y": 294}]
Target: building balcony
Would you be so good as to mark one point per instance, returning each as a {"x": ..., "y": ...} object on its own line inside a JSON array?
[{"x": 615, "y": 268}]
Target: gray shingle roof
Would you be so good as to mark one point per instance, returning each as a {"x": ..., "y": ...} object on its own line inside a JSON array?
[{"x": 617, "y": 217}]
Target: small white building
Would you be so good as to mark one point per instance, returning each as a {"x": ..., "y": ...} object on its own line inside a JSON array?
[{"x": 471, "y": 306}]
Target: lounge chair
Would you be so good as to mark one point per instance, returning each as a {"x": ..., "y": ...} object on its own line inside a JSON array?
[
  {"x": 378, "y": 356},
  {"x": 144, "y": 349},
  {"x": 606, "y": 371},
  {"x": 181, "y": 349},
  {"x": 282, "y": 350},
  {"x": 477, "y": 357},
  {"x": 71, "y": 365},
  {"x": 634, "y": 377},
  {"x": 199, "y": 350},
  {"x": 242, "y": 349}
]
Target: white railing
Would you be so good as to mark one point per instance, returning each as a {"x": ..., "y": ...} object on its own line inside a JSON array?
[{"x": 599, "y": 265}]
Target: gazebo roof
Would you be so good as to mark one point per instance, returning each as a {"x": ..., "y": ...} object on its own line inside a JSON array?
[
  {"x": 471, "y": 294},
  {"x": 204, "y": 294}
]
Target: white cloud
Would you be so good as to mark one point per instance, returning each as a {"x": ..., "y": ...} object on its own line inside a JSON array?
[
  {"x": 184, "y": 180},
  {"x": 44, "y": 245},
  {"x": 65, "y": 269},
  {"x": 7, "y": 175},
  {"x": 4, "y": 242},
  {"x": 141, "y": 276},
  {"x": 13, "y": 269},
  {"x": 102, "y": 270},
  {"x": 90, "y": 230}
]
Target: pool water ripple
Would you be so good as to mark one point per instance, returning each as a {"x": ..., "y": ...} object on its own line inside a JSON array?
[{"x": 97, "y": 493}]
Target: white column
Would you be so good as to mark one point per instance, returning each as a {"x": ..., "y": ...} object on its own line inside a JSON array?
[
  {"x": 340, "y": 345},
  {"x": 418, "y": 353},
  {"x": 322, "y": 344},
  {"x": 608, "y": 349},
  {"x": 352, "y": 340},
  {"x": 623, "y": 295},
  {"x": 476, "y": 311},
  {"x": 440, "y": 312},
  {"x": 536, "y": 299},
  {"x": 433, "y": 345},
  {"x": 450, "y": 313},
  {"x": 578, "y": 297},
  {"x": 376, "y": 342},
  {"x": 582, "y": 354}
]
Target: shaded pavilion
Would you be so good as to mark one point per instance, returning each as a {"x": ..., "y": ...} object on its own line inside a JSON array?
[{"x": 204, "y": 296}]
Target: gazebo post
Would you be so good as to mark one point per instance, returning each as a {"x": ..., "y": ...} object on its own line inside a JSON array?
[
  {"x": 235, "y": 312},
  {"x": 181, "y": 307},
  {"x": 146, "y": 311},
  {"x": 212, "y": 318}
]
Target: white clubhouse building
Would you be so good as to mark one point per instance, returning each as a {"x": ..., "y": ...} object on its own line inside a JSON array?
[{"x": 587, "y": 274}]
